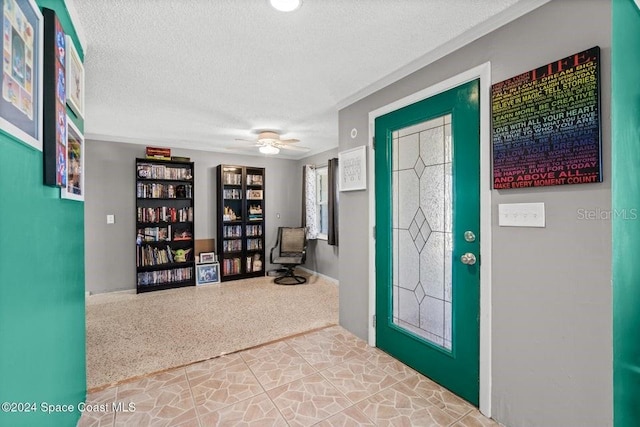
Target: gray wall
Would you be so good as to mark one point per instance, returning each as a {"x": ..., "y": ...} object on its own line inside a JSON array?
[
  {"x": 551, "y": 298},
  {"x": 110, "y": 182},
  {"x": 321, "y": 257}
]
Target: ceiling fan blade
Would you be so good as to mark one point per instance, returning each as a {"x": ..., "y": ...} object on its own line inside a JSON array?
[
  {"x": 293, "y": 148},
  {"x": 247, "y": 140},
  {"x": 288, "y": 141},
  {"x": 242, "y": 148}
]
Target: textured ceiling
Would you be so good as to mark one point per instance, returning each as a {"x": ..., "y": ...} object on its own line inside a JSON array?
[{"x": 200, "y": 73}]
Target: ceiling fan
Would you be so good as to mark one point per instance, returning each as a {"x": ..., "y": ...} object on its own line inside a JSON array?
[{"x": 269, "y": 142}]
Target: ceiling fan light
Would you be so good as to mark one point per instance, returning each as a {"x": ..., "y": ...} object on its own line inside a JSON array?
[
  {"x": 269, "y": 149},
  {"x": 285, "y": 5}
]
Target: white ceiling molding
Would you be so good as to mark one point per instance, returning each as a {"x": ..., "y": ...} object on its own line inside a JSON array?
[{"x": 496, "y": 21}]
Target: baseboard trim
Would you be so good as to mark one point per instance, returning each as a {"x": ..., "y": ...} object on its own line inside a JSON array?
[
  {"x": 122, "y": 291},
  {"x": 324, "y": 276}
]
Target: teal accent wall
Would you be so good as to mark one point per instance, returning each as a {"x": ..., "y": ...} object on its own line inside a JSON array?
[
  {"x": 625, "y": 112},
  {"x": 42, "y": 311}
]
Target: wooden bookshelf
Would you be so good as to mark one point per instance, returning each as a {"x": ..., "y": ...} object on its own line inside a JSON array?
[
  {"x": 164, "y": 225},
  {"x": 240, "y": 221}
]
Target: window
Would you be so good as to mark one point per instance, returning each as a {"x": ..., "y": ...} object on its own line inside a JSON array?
[{"x": 322, "y": 202}]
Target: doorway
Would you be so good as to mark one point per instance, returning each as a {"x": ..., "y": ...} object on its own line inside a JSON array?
[{"x": 429, "y": 297}]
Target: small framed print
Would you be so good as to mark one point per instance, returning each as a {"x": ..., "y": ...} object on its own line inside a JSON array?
[
  {"x": 207, "y": 257},
  {"x": 75, "y": 79},
  {"x": 352, "y": 169},
  {"x": 74, "y": 188},
  {"x": 254, "y": 194},
  {"x": 207, "y": 273}
]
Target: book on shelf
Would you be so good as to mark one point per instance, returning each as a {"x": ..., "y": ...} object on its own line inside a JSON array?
[
  {"x": 164, "y": 214},
  {"x": 156, "y": 190},
  {"x": 232, "y": 231},
  {"x": 144, "y": 170},
  {"x": 231, "y": 266},
  {"x": 254, "y": 244},
  {"x": 180, "y": 159},
  {"x": 232, "y": 245},
  {"x": 232, "y": 194},
  {"x": 150, "y": 256},
  {"x": 254, "y": 230},
  {"x": 254, "y": 179},
  {"x": 155, "y": 171},
  {"x": 232, "y": 178},
  {"x": 153, "y": 234},
  {"x": 158, "y": 153},
  {"x": 150, "y": 278}
]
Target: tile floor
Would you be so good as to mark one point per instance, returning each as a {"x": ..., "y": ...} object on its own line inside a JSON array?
[{"x": 323, "y": 378}]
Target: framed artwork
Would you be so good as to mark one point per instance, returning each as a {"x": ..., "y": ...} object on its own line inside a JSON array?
[
  {"x": 22, "y": 50},
  {"x": 75, "y": 79},
  {"x": 75, "y": 164},
  {"x": 207, "y": 257},
  {"x": 546, "y": 124},
  {"x": 54, "y": 102},
  {"x": 207, "y": 273},
  {"x": 352, "y": 169}
]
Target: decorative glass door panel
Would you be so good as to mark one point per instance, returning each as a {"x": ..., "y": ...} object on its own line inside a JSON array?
[{"x": 422, "y": 241}]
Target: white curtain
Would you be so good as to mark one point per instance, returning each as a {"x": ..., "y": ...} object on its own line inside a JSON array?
[{"x": 310, "y": 202}]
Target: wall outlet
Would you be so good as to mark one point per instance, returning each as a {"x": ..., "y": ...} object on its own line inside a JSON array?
[{"x": 111, "y": 219}]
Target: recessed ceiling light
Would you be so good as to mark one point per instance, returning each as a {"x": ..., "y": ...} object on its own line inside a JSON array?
[{"x": 285, "y": 5}]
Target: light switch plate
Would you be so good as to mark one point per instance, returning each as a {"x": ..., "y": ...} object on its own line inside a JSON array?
[
  {"x": 521, "y": 215},
  {"x": 111, "y": 219}
]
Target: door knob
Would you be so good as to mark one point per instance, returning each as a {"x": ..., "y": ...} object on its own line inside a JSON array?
[{"x": 468, "y": 258}]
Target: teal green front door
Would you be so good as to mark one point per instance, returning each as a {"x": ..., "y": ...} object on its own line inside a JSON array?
[{"x": 428, "y": 237}]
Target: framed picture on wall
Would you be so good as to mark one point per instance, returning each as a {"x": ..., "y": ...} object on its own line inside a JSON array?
[
  {"x": 75, "y": 79},
  {"x": 22, "y": 50},
  {"x": 54, "y": 102},
  {"x": 75, "y": 164},
  {"x": 352, "y": 169}
]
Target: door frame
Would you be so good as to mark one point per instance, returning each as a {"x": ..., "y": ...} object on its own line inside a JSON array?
[{"x": 483, "y": 72}]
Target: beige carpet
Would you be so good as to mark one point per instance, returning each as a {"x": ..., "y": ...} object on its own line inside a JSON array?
[{"x": 130, "y": 335}]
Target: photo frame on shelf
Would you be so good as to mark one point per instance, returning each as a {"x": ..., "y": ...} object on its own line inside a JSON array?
[
  {"x": 207, "y": 257},
  {"x": 22, "y": 51},
  {"x": 74, "y": 189},
  {"x": 352, "y": 169},
  {"x": 75, "y": 79},
  {"x": 254, "y": 194},
  {"x": 207, "y": 273}
]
